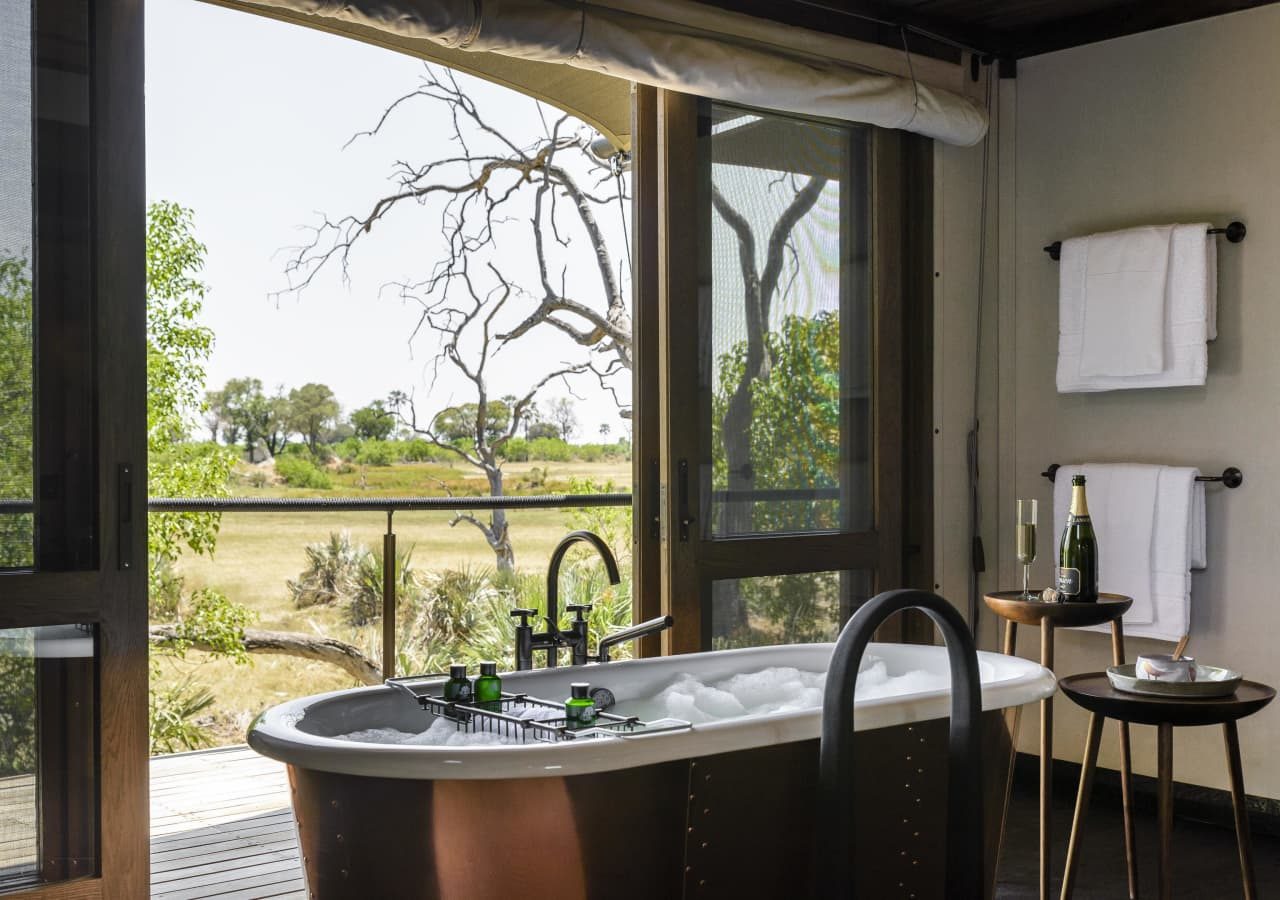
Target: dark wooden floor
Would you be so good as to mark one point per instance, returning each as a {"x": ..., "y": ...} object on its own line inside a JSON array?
[
  {"x": 1205, "y": 863},
  {"x": 221, "y": 827}
]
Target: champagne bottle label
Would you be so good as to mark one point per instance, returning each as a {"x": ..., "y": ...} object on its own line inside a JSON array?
[{"x": 1068, "y": 581}]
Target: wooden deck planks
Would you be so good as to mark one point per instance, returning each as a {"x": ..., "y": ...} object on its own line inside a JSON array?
[{"x": 221, "y": 828}]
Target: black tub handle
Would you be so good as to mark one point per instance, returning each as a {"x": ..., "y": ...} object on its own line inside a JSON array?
[{"x": 835, "y": 866}]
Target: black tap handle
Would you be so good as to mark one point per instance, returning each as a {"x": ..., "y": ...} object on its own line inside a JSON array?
[
  {"x": 580, "y": 608},
  {"x": 524, "y": 615}
]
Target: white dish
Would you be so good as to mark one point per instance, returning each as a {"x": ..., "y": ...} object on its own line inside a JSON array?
[{"x": 1211, "y": 681}]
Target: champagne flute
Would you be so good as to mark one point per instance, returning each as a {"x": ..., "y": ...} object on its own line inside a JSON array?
[{"x": 1028, "y": 512}]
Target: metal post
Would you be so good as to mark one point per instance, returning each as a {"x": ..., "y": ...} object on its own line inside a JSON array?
[{"x": 389, "y": 600}]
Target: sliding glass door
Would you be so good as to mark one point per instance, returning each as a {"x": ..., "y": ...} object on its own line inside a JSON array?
[
  {"x": 782, "y": 355},
  {"x": 72, "y": 447}
]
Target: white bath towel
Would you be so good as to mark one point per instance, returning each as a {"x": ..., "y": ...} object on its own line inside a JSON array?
[
  {"x": 1190, "y": 315},
  {"x": 1122, "y": 505},
  {"x": 1125, "y": 283},
  {"x": 1162, "y": 506}
]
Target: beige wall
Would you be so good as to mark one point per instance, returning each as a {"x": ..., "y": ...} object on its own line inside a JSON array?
[
  {"x": 1181, "y": 124},
  {"x": 957, "y": 216}
]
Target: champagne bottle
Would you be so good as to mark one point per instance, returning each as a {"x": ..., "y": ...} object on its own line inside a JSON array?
[{"x": 1077, "y": 576}]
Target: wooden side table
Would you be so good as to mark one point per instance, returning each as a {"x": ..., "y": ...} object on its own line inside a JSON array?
[
  {"x": 1050, "y": 617},
  {"x": 1095, "y": 693}
]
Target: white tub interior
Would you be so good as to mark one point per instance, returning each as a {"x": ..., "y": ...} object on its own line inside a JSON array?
[{"x": 912, "y": 686}]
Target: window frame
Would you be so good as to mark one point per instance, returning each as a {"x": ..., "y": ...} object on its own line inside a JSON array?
[{"x": 897, "y": 549}]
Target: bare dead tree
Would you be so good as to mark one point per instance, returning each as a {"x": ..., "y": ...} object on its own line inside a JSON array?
[
  {"x": 464, "y": 320},
  {"x": 760, "y": 286},
  {"x": 557, "y": 188},
  {"x": 489, "y": 178}
]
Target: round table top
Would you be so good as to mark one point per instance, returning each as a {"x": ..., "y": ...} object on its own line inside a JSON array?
[
  {"x": 1094, "y": 692},
  {"x": 1009, "y": 605}
]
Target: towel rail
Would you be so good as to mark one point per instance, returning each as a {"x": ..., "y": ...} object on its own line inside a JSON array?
[
  {"x": 1235, "y": 233},
  {"x": 1231, "y": 477}
]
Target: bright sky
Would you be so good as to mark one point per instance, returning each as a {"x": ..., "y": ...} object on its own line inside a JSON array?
[{"x": 246, "y": 122}]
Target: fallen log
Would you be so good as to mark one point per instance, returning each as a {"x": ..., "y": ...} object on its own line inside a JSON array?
[{"x": 287, "y": 643}]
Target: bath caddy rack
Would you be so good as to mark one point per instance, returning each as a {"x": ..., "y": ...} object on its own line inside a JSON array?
[{"x": 502, "y": 720}]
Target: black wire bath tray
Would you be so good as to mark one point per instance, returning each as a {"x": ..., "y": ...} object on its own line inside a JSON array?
[{"x": 499, "y": 717}]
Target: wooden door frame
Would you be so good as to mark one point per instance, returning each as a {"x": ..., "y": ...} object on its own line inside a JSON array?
[
  {"x": 112, "y": 596},
  {"x": 901, "y": 242}
]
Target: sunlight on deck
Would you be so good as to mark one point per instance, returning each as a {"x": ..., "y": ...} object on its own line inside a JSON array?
[{"x": 221, "y": 827}]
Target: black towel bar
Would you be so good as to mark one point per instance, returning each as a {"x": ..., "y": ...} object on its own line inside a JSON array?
[
  {"x": 1235, "y": 233},
  {"x": 1231, "y": 477}
]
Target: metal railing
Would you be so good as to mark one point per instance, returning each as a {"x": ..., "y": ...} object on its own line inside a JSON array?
[
  {"x": 393, "y": 505},
  {"x": 388, "y": 505}
]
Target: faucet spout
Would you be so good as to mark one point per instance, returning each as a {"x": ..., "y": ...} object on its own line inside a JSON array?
[
  {"x": 557, "y": 558},
  {"x": 575, "y": 637},
  {"x": 653, "y": 626}
]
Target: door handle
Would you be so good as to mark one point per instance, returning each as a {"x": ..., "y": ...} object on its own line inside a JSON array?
[
  {"x": 685, "y": 518},
  {"x": 655, "y": 501},
  {"x": 124, "y": 517}
]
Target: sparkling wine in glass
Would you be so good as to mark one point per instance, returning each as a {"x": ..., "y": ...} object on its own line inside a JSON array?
[{"x": 1028, "y": 513}]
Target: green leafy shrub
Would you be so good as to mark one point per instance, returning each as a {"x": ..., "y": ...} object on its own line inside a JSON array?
[
  {"x": 550, "y": 449},
  {"x": 330, "y": 571},
  {"x": 17, "y": 714},
  {"x": 613, "y": 523},
  {"x": 364, "y": 602},
  {"x": 297, "y": 471},
  {"x": 421, "y": 450},
  {"x": 375, "y": 453},
  {"x": 347, "y": 449},
  {"x": 174, "y": 717},
  {"x": 462, "y": 615},
  {"x": 516, "y": 450},
  {"x": 589, "y": 452}
]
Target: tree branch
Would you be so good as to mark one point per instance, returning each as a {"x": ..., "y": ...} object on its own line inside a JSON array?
[{"x": 286, "y": 643}]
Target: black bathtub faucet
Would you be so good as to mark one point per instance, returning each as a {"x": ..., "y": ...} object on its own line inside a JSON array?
[
  {"x": 577, "y": 638},
  {"x": 834, "y": 861}
]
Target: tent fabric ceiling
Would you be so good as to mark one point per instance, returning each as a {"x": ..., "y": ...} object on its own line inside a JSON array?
[
  {"x": 602, "y": 101},
  {"x": 582, "y": 57}
]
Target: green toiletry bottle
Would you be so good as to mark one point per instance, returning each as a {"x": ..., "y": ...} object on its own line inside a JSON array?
[
  {"x": 580, "y": 709},
  {"x": 458, "y": 688},
  {"x": 488, "y": 687}
]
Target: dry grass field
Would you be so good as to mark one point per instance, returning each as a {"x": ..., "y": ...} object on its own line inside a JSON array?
[{"x": 258, "y": 552}]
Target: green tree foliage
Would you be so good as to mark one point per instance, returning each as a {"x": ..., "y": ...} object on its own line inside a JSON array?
[
  {"x": 794, "y": 440},
  {"x": 16, "y": 342},
  {"x": 300, "y": 472},
  {"x": 177, "y": 349},
  {"x": 312, "y": 408},
  {"x": 17, "y": 714},
  {"x": 373, "y": 422},
  {"x": 457, "y": 424},
  {"x": 537, "y": 430},
  {"x": 795, "y": 420}
]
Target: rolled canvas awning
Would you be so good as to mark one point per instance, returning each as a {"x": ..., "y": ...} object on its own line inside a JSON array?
[{"x": 623, "y": 41}]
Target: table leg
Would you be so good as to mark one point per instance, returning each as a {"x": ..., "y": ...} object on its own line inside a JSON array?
[
  {"x": 1165, "y": 799},
  {"x": 1126, "y": 773},
  {"x": 1046, "y": 765},
  {"x": 1087, "y": 768},
  {"x": 1010, "y": 636},
  {"x": 1241, "y": 811}
]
